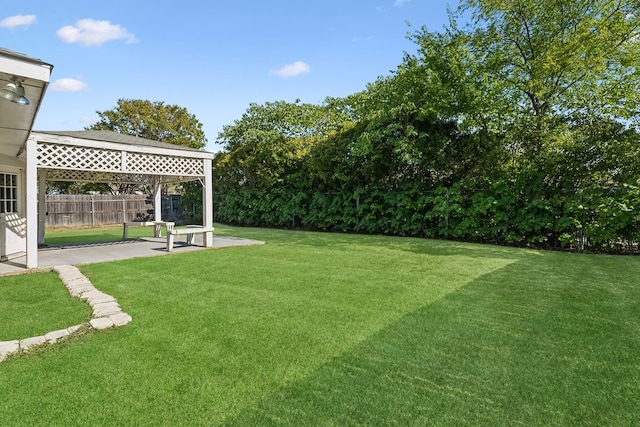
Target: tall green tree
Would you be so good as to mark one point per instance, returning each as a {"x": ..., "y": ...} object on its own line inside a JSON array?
[
  {"x": 153, "y": 120},
  {"x": 269, "y": 144},
  {"x": 406, "y": 139},
  {"x": 530, "y": 70}
]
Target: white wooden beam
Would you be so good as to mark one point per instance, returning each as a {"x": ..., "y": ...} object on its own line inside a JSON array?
[
  {"x": 207, "y": 202},
  {"x": 42, "y": 204},
  {"x": 32, "y": 203},
  {"x": 157, "y": 200},
  {"x": 114, "y": 146}
]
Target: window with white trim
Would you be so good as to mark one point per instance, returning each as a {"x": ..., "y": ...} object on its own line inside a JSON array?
[{"x": 8, "y": 192}]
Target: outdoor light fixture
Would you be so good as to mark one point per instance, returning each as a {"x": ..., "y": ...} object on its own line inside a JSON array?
[
  {"x": 14, "y": 92},
  {"x": 22, "y": 100}
]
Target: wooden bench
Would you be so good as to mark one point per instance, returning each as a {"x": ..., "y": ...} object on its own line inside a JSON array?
[
  {"x": 157, "y": 231},
  {"x": 190, "y": 231}
]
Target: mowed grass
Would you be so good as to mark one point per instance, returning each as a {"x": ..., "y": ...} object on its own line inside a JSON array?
[
  {"x": 66, "y": 235},
  {"x": 316, "y": 329},
  {"x": 35, "y": 304}
]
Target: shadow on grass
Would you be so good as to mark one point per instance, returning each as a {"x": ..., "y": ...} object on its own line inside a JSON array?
[
  {"x": 516, "y": 346},
  {"x": 90, "y": 244},
  {"x": 416, "y": 245}
]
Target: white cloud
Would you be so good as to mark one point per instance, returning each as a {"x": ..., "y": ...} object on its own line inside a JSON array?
[
  {"x": 400, "y": 3},
  {"x": 291, "y": 70},
  {"x": 88, "y": 32},
  {"x": 68, "y": 85},
  {"x": 18, "y": 21}
]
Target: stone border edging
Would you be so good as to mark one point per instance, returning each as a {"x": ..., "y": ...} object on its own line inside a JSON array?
[{"x": 106, "y": 312}]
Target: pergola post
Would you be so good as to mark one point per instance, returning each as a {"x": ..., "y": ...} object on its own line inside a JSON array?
[
  {"x": 157, "y": 200},
  {"x": 31, "y": 185},
  {"x": 207, "y": 202},
  {"x": 42, "y": 204}
]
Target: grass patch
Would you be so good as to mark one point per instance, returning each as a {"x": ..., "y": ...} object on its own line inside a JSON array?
[
  {"x": 35, "y": 304},
  {"x": 65, "y": 236},
  {"x": 332, "y": 329}
]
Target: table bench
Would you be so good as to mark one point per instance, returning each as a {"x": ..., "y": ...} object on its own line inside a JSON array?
[
  {"x": 190, "y": 231},
  {"x": 157, "y": 231}
]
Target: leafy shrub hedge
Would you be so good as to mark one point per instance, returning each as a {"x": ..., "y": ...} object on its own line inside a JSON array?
[{"x": 602, "y": 219}]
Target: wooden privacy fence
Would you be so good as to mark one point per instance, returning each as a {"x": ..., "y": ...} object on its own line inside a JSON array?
[{"x": 92, "y": 210}]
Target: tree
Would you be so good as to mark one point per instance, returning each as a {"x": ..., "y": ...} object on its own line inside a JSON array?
[
  {"x": 153, "y": 120},
  {"x": 532, "y": 65},
  {"x": 269, "y": 144}
]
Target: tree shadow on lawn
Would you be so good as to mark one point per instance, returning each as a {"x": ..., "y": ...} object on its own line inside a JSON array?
[
  {"x": 89, "y": 244},
  {"x": 418, "y": 245},
  {"x": 516, "y": 346}
]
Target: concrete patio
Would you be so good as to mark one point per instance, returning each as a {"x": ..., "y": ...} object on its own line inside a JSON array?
[{"x": 89, "y": 253}]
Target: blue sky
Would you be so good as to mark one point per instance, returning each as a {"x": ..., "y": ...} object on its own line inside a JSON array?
[{"x": 213, "y": 58}]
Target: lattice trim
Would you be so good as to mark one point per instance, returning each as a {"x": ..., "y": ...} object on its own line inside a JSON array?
[
  {"x": 163, "y": 165},
  {"x": 89, "y": 176},
  {"x": 70, "y": 157},
  {"x": 80, "y": 158}
]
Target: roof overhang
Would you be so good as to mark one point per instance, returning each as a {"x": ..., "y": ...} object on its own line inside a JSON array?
[{"x": 16, "y": 121}]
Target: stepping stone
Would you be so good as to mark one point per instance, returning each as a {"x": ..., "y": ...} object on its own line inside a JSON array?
[
  {"x": 30, "y": 342},
  {"x": 106, "y": 309},
  {"x": 73, "y": 329},
  {"x": 56, "y": 335},
  {"x": 8, "y": 347},
  {"x": 68, "y": 272},
  {"x": 78, "y": 291},
  {"x": 96, "y": 299},
  {"x": 120, "y": 319},
  {"x": 101, "y": 323}
]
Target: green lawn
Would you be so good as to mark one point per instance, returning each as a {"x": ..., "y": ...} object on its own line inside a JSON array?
[
  {"x": 63, "y": 236},
  {"x": 34, "y": 304},
  {"x": 320, "y": 329}
]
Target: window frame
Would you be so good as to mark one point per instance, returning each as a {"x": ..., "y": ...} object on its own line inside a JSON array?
[{"x": 9, "y": 194}]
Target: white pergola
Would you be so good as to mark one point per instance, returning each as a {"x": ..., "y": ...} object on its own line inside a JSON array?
[
  {"x": 105, "y": 156},
  {"x": 29, "y": 159}
]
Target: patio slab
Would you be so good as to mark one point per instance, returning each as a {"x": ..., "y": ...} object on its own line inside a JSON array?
[{"x": 89, "y": 253}]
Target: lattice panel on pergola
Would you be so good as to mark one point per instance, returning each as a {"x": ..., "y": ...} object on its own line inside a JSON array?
[
  {"x": 83, "y": 158},
  {"x": 164, "y": 165},
  {"x": 70, "y": 157}
]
